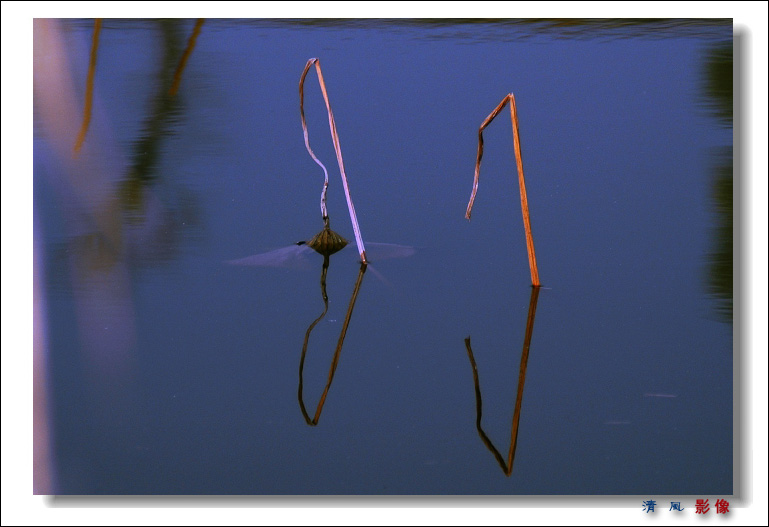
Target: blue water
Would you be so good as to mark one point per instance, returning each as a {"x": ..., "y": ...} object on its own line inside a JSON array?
[{"x": 171, "y": 372}]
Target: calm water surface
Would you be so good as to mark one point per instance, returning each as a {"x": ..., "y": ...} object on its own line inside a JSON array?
[{"x": 167, "y": 371}]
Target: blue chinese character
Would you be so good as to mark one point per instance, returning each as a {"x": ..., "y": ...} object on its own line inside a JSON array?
[
  {"x": 648, "y": 506},
  {"x": 676, "y": 506}
]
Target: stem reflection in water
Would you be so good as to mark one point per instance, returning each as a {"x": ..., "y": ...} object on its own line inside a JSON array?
[
  {"x": 326, "y": 243},
  {"x": 507, "y": 465},
  {"x": 340, "y": 342}
]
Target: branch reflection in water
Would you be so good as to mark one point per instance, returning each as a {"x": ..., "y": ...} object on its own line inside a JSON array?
[
  {"x": 507, "y": 465},
  {"x": 326, "y": 243},
  {"x": 111, "y": 217}
]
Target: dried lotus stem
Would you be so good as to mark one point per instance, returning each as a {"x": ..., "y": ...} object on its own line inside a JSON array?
[
  {"x": 521, "y": 182},
  {"x": 337, "y": 149}
]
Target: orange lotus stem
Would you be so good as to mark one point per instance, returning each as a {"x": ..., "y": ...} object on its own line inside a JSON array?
[
  {"x": 521, "y": 181},
  {"x": 524, "y": 200}
]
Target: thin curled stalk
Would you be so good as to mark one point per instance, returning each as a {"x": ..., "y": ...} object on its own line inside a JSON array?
[{"x": 337, "y": 149}]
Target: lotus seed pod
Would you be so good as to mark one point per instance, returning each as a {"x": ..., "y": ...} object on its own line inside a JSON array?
[{"x": 327, "y": 242}]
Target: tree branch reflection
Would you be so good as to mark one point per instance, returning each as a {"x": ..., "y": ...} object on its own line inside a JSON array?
[
  {"x": 507, "y": 465},
  {"x": 89, "y": 87},
  {"x": 94, "y": 203},
  {"x": 185, "y": 56},
  {"x": 335, "y": 361}
]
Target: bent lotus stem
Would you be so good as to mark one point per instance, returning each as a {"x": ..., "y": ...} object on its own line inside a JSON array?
[{"x": 521, "y": 181}]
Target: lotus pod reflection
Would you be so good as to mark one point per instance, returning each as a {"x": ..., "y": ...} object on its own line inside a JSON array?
[{"x": 327, "y": 242}]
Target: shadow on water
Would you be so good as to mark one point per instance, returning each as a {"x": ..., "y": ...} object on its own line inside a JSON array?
[
  {"x": 165, "y": 106},
  {"x": 139, "y": 203},
  {"x": 719, "y": 85},
  {"x": 719, "y": 99},
  {"x": 721, "y": 257},
  {"x": 135, "y": 219},
  {"x": 506, "y": 464}
]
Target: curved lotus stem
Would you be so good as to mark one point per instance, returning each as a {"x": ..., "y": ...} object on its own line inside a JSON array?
[
  {"x": 323, "y": 210},
  {"x": 337, "y": 149}
]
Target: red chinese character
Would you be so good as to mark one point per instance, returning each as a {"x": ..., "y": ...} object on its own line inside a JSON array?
[
  {"x": 702, "y": 507},
  {"x": 722, "y": 506}
]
